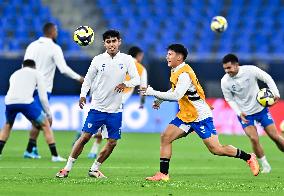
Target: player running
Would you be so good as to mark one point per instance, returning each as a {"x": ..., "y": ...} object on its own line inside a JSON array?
[
  {"x": 19, "y": 99},
  {"x": 194, "y": 115},
  {"x": 239, "y": 86}
]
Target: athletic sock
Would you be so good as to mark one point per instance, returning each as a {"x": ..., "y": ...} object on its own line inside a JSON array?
[
  {"x": 264, "y": 161},
  {"x": 31, "y": 144},
  {"x": 242, "y": 155},
  {"x": 164, "y": 165},
  {"x": 52, "y": 148},
  {"x": 2, "y": 144},
  {"x": 69, "y": 163},
  {"x": 96, "y": 166},
  {"x": 95, "y": 148}
]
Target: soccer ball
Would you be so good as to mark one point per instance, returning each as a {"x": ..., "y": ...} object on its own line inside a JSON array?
[
  {"x": 83, "y": 35},
  {"x": 265, "y": 97},
  {"x": 219, "y": 24}
]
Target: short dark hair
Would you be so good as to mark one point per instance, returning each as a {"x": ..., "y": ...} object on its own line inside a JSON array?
[
  {"x": 230, "y": 58},
  {"x": 47, "y": 27},
  {"x": 111, "y": 33},
  {"x": 29, "y": 63},
  {"x": 178, "y": 48},
  {"x": 134, "y": 51}
]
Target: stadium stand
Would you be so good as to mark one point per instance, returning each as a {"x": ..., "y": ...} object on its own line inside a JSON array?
[
  {"x": 188, "y": 21},
  {"x": 251, "y": 24},
  {"x": 22, "y": 21}
]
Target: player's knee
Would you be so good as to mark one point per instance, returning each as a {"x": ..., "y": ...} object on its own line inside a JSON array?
[
  {"x": 39, "y": 125},
  {"x": 275, "y": 137},
  {"x": 84, "y": 139},
  {"x": 112, "y": 143},
  {"x": 165, "y": 138}
]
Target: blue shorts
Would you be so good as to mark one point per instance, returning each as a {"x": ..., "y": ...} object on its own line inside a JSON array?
[
  {"x": 31, "y": 111},
  {"x": 263, "y": 117},
  {"x": 204, "y": 128},
  {"x": 96, "y": 119},
  {"x": 37, "y": 100}
]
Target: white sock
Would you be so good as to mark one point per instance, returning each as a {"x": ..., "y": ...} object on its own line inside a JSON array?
[
  {"x": 95, "y": 148},
  {"x": 96, "y": 165},
  {"x": 264, "y": 161},
  {"x": 69, "y": 163}
]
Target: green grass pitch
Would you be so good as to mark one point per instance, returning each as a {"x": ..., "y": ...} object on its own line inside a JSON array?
[{"x": 193, "y": 170}]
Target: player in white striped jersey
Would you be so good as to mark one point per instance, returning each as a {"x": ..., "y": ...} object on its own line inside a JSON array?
[
  {"x": 107, "y": 73},
  {"x": 240, "y": 88},
  {"x": 47, "y": 55},
  {"x": 19, "y": 99}
]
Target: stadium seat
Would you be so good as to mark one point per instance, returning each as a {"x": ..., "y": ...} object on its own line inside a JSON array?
[{"x": 184, "y": 21}]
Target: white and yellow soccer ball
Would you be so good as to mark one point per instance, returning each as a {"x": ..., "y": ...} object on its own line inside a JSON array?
[
  {"x": 84, "y": 35},
  {"x": 265, "y": 97},
  {"x": 219, "y": 24}
]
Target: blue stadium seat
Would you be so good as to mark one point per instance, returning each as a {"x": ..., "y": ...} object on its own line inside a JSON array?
[{"x": 186, "y": 21}]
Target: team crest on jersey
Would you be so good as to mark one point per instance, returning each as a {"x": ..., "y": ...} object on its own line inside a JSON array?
[
  {"x": 121, "y": 66},
  {"x": 234, "y": 87},
  {"x": 90, "y": 125}
]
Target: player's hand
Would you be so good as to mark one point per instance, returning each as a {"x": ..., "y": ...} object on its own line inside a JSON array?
[
  {"x": 82, "y": 102},
  {"x": 147, "y": 91},
  {"x": 243, "y": 117},
  {"x": 49, "y": 118},
  {"x": 142, "y": 91},
  {"x": 81, "y": 80},
  {"x": 156, "y": 105},
  {"x": 276, "y": 100},
  {"x": 119, "y": 88}
]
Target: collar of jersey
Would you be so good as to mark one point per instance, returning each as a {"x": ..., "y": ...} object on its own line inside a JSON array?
[
  {"x": 106, "y": 54},
  {"x": 45, "y": 39},
  {"x": 178, "y": 67}
]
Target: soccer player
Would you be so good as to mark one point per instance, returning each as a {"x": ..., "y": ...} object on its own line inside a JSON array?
[
  {"x": 19, "y": 99},
  {"x": 194, "y": 115},
  {"x": 239, "y": 86},
  {"x": 137, "y": 54},
  {"x": 107, "y": 71},
  {"x": 47, "y": 55}
]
